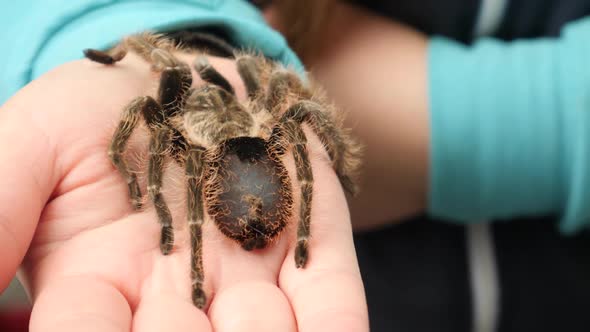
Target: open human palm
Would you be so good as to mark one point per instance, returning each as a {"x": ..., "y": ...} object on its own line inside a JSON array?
[{"x": 92, "y": 263}]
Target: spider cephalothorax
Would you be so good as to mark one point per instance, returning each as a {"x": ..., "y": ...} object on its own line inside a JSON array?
[{"x": 232, "y": 152}]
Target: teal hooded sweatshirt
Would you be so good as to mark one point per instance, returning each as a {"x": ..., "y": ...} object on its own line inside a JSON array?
[{"x": 38, "y": 35}]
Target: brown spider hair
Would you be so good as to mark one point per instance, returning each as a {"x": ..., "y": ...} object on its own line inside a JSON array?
[{"x": 232, "y": 152}]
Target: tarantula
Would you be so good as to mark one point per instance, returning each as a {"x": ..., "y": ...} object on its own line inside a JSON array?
[{"x": 231, "y": 151}]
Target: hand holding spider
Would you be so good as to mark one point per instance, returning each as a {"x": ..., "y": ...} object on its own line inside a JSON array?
[{"x": 94, "y": 263}]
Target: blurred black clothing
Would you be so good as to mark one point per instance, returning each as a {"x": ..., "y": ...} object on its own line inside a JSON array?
[{"x": 457, "y": 18}]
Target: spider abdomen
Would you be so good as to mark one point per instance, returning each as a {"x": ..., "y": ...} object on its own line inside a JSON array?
[{"x": 249, "y": 194}]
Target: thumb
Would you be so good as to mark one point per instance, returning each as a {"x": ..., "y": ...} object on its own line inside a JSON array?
[{"x": 26, "y": 171}]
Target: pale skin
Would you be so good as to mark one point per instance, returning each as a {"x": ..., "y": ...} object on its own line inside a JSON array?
[
  {"x": 376, "y": 69},
  {"x": 90, "y": 263}
]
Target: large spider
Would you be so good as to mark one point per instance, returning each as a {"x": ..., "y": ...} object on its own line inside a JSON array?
[{"x": 231, "y": 151}]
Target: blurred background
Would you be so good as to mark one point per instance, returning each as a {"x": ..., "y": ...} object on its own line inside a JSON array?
[{"x": 14, "y": 309}]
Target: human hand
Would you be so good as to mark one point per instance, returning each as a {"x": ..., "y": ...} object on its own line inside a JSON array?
[{"x": 91, "y": 263}]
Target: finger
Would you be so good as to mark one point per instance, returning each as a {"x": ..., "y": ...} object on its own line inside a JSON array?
[
  {"x": 252, "y": 307},
  {"x": 80, "y": 304},
  {"x": 169, "y": 313},
  {"x": 26, "y": 179},
  {"x": 328, "y": 294},
  {"x": 245, "y": 295}
]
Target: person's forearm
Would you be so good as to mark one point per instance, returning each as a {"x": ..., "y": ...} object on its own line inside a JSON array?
[{"x": 510, "y": 128}]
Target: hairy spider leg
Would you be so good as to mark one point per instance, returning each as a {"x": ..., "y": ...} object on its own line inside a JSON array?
[
  {"x": 129, "y": 120},
  {"x": 343, "y": 152},
  {"x": 210, "y": 75},
  {"x": 296, "y": 137},
  {"x": 159, "y": 144},
  {"x": 344, "y": 156},
  {"x": 250, "y": 73},
  {"x": 281, "y": 83},
  {"x": 152, "y": 48},
  {"x": 175, "y": 82},
  {"x": 106, "y": 58},
  {"x": 195, "y": 175},
  {"x": 209, "y": 99},
  {"x": 289, "y": 131},
  {"x": 174, "y": 86},
  {"x": 176, "y": 77}
]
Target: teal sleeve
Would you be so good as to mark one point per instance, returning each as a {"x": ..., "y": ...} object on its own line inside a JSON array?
[
  {"x": 510, "y": 128},
  {"x": 38, "y": 35}
]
